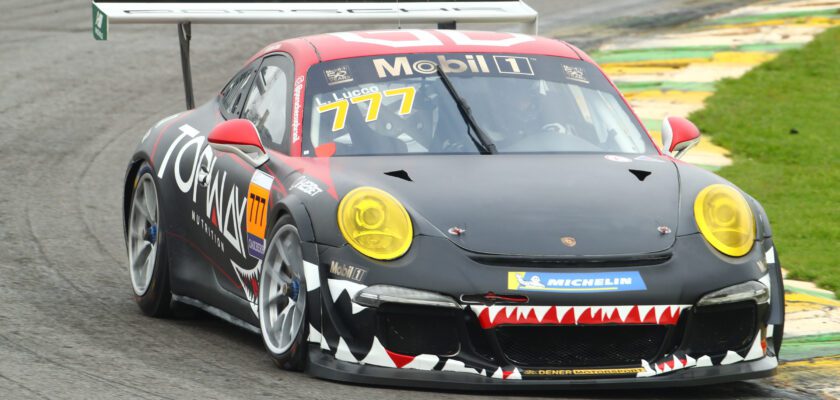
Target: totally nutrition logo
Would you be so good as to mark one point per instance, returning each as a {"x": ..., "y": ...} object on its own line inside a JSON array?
[{"x": 576, "y": 282}]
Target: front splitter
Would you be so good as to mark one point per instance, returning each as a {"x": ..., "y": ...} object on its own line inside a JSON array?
[{"x": 323, "y": 365}]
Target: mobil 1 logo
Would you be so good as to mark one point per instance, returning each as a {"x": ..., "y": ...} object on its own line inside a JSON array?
[{"x": 513, "y": 65}]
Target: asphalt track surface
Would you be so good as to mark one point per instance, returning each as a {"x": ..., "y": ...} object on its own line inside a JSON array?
[{"x": 71, "y": 111}]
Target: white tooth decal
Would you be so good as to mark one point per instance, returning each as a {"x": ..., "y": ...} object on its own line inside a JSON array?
[
  {"x": 355, "y": 308},
  {"x": 594, "y": 310},
  {"x": 343, "y": 352},
  {"x": 378, "y": 356},
  {"x": 690, "y": 362},
  {"x": 678, "y": 363},
  {"x": 769, "y": 331},
  {"x": 623, "y": 311},
  {"x": 498, "y": 374},
  {"x": 660, "y": 310},
  {"x": 643, "y": 311},
  {"x": 704, "y": 361},
  {"x": 515, "y": 374},
  {"x": 249, "y": 279},
  {"x": 540, "y": 311},
  {"x": 769, "y": 257},
  {"x": 766, "y": 281},
  {"x": 457, "y": 366},
  {"x": 509, "y": 310},
  {"x": 755, "y": 351},
  {"x": 731, "y": 358},
  {"x": 477, "y": 309},
  {"x": 314, "y": 335},
  {"x": 310, "y": 272},
  {"x": 578, "y": 312},
  {"x": 494, "y": 310},
  {"x": 324, "y": 344},
  {"x": 648, "y": 370},
  {"x": 522, "y": 311},
  {"x": 607, "y": 312},
  {"x": 340, "y": 285},
  {"x": 560, "y": 312},
  {"x": 424, "y": 361}
]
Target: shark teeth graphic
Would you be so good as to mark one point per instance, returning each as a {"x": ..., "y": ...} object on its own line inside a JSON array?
[
  {"x": 250, "y": 281},
  {"x": 337, "y": 286},
  {"x": 676, "y": 362},
  {"x": 491, "y": 316},
  {"x": 458, "y": 366}
]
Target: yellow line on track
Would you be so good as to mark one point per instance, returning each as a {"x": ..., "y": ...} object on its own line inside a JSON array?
[{"x": 677, "y": 96}]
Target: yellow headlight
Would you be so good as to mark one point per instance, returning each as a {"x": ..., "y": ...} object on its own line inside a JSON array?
[
  {"x": 725, "y": 219},
  {"x": 375, "y": 223}
]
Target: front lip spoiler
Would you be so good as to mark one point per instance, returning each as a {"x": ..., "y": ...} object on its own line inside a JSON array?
[{"x": 323, "y": 365}]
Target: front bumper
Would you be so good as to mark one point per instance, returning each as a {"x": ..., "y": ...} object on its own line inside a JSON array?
[{"x": 352, "y": 343}]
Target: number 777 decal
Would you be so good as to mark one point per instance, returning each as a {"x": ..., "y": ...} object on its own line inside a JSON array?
[{"x": 375, "y": 99}]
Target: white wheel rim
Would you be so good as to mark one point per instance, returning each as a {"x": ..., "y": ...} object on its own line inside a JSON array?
[
  {"x": 282, "y": 297},
  {"x": 143, "y": 234}
]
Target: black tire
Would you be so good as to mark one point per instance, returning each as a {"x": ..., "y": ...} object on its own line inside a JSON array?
[
  {"x": 155, "y": 300},
  {"x": 295, "y": 356}
]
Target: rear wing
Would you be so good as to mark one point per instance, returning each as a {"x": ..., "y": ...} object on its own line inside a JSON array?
[{"x": 446, "y": 14}]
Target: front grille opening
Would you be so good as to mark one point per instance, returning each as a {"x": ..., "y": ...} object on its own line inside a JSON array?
[
  {"x": 573, "y": 262},
  {"x": 581, "y": 346},
  {"x": 713, "y": 330},
  {"x": 415, "y": 330}
]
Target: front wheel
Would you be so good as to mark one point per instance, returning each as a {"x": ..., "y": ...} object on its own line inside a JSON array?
[
  {"x": 147, "y": 264},
  {"x": 282, "y": 297}
]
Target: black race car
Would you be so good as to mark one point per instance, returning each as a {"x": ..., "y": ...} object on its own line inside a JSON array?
[{"x": 452, "y": 209}]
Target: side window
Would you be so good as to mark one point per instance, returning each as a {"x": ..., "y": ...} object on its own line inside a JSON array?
[
  {"x": 267, "y": 105},
  {"x": 233, "y": 95}
]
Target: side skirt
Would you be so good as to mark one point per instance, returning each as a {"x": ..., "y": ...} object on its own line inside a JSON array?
[{"x": 216, "y": 312}]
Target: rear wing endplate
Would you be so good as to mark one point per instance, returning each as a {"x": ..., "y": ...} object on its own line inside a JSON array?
[{"x": 446, "y": 14}]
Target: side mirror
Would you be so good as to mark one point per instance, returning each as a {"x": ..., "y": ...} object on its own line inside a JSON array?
[
  {"x": 240, "y": 137},
  {"x": 679, "y": 135}
]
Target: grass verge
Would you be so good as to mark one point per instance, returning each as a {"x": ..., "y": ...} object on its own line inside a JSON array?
[{"x": 781, "y": 122}]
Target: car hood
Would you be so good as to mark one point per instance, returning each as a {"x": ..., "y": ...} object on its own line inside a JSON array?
[{"x": 534, "y": 205}]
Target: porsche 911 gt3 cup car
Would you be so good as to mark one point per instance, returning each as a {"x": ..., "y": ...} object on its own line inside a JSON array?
[{"x": 452, "y": 209}]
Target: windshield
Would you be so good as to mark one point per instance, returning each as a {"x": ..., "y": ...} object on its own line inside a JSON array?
[{"x": 399, "y": 105}]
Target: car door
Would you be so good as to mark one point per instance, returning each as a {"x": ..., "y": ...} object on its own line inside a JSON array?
[
  {"x": 241, "y": 192},
  {"x": 206, "y": 207}
]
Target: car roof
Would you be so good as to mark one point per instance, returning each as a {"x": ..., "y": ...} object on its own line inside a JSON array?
[{"x": 339, "y": 45}]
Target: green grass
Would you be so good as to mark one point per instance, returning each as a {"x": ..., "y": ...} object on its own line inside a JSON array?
[{"x": 795, "y": 176}]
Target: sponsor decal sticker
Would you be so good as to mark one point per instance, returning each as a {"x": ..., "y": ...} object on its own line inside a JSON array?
[
  {"x": 223, "y": 204},
  {"x": 307, "y": 186},
  {"x": 296, "y": 101},
  {"x": 347, "y": 271},
  {"x": 258, "y": 192},
  {"x": 513, "y": 65},
  {"x": 453, "y": 65},
  {"x": 338, "y": 75},
  {"x": 575, "y": 74},
  {"x": 578, "y": 372},
  {"x": 588, "y": 282}
]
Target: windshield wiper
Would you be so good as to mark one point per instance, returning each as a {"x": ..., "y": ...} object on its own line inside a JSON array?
[{"x": 481, "y": 140}]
